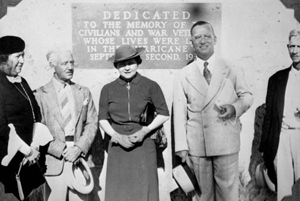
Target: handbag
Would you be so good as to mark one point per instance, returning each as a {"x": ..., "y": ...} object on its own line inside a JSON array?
[
  {"x": 148, "y": 114},
  {"x": 28, "y": 179},
  {"x": 158, "y": 135}
]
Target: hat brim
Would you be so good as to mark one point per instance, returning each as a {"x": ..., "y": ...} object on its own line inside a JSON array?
[
  {"x": 79, "y": 177},
  {"x": 261, "y": 177},
  {"x": 186, "y": 179},
  {"x": 139, "y": 51}
]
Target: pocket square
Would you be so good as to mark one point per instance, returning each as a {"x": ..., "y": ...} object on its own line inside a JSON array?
[{"x": 85, "y": 102}]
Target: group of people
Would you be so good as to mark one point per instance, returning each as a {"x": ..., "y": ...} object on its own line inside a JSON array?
[{"x": 210, "y": 95}]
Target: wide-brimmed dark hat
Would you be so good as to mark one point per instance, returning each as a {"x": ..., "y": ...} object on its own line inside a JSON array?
[
  {"x": 11, "y": 44},
  {"x": 126, "y": 52}
]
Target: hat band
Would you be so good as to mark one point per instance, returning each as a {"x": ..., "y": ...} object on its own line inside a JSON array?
[
  {"x": 126, "y": 58},
  {"x": 192, "y": 178}
]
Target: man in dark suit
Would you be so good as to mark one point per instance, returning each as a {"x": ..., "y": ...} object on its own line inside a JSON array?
[
  {"x": 210, "y": 95},
  {"x": 69, "y": 112},
  {"x": 281, "y": 128}
]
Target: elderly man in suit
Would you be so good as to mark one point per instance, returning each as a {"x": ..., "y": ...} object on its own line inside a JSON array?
[
  {"x": 281, "y": 129},
  {"x": 68, "y": 111},
  {"x": 209, "y": 97}
]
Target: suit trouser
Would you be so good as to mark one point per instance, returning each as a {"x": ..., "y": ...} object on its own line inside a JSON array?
[
  {"x": 56, "y": 189},
  {"x": 287, "y": 162},
  {"x": 217, "y": 176}
]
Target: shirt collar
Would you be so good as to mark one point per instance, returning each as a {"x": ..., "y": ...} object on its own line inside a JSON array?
[
  {"x": 211, "y": 63},
  {"x": 294, "y": 71},
  {"x": 16, "y": 79},
  {"x": 58, "y": 85},
  {"x": 135, "y": 80}
]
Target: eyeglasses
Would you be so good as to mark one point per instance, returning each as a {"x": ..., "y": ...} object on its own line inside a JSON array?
[{"x": 200, "y": 37}]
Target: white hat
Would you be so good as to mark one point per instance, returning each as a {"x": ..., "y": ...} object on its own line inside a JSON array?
[
  {"x": 261, "y": 177},
  {"x": 186, "y": 179},
  {"x": 79, "y": 176}
]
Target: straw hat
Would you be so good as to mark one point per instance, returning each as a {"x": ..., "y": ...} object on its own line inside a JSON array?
[
  {"x": 79, "y": 176},
  {"x": 261, "y": 177},
  {"x": 186, "y": 179}
]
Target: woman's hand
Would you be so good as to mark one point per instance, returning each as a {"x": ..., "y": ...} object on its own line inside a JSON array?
[
  {"x": 33, "y": 156},
  {"x": 139, "y": 135},
  {"x": 123, "y": 140}
]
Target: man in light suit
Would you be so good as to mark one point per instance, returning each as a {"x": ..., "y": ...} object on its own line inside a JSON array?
[
  {"x": 207, "y": 107},
  {"x": 281, "y": 129},
  {"x": 68, "y": 111}
]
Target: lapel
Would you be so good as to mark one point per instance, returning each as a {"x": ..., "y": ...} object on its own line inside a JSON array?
[
  {"x": 196, "y": 80},
  {"x": 220, "y": 73},
  {"x": 78, "y": 98},
  {"x": 49, "y": 92},
  {"x": 282, "y": 82}
]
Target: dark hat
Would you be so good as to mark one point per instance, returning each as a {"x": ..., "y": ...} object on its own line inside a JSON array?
[
  {"x": 11, "y": 44},
  {"x": 126, "y": 52},
  {"x": 186, "y": 179}
]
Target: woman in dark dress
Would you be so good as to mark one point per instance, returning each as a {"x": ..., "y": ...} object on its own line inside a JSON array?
[
  {"x": 18, "y": 112},
  {"x": 131, "y": 166}
]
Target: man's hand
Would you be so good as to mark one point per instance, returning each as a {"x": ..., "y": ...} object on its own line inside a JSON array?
[
  {"x": 183, "y": 155},
  {"x": 227, "y": 112},
  {"x": 71, "y": 153},
  {"x": 139, "y": 135}
]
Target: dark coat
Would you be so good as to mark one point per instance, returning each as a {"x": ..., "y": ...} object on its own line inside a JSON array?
[
  {"x": 15, "y": 109},
  {"x": 273, "y": 119}
]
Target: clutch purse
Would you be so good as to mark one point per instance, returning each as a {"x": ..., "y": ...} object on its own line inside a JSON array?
[
  {"x": 148, "y": 114},
  {"x": 158, "y": 135}
]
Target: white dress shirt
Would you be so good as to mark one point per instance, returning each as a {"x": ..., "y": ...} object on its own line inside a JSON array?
[
  {"x": 58, "y": 87},
  {"x": 292, "y": 100},
  {"x": 211, "y": 64}
]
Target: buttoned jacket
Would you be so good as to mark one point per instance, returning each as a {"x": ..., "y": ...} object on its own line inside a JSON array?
[{"x": 197, "y": 127}]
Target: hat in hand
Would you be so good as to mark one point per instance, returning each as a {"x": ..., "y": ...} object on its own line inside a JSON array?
[
  {"x": 261, "y": 177},
  {"x": 79, "y": 177},
  {"x": 186, "y": 179},
  {"x": 126, "y": 52}
]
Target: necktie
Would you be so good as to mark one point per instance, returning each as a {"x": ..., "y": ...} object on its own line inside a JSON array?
[
  {"x": 65, "y": 109},
  {"x": 206, "y": 73}
]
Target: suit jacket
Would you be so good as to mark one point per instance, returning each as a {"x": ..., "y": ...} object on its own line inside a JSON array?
[
  {"x": 85, "y": 127},
  {"x": 196, "y": 125},
  {"x": 273, "y": 119}
]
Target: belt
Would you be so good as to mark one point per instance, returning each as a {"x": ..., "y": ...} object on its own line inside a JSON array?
[
  {"x": 69, "y": 138},
  {"x": 287, "y": 127},
  {"x": 293, "y": 128}
]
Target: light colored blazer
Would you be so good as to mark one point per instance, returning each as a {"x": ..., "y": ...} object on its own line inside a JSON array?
[
  {"x": 196, "y": 125},
  {"x": 85, "y": 127}
]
